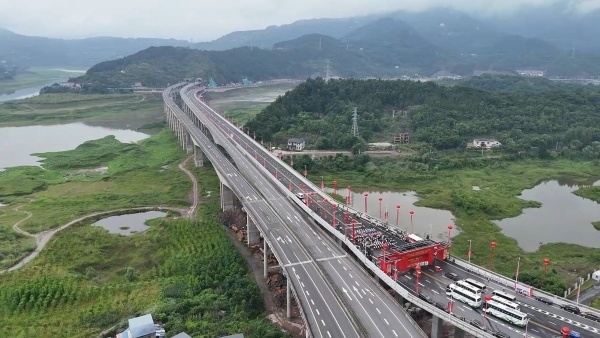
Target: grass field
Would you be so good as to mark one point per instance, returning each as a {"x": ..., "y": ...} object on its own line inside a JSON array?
[
  {"x": 93, "y": 108},
  {"x": 452, "y": 190},
  {"x": 34, "y": 77}
]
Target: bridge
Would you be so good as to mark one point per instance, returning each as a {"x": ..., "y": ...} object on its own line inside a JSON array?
[{"x": 381, "y": 250}]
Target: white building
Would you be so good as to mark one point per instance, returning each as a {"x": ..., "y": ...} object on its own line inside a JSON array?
[
  {"x": 296, "y": 144},
  {"x": 486, "y": 143},
  {"x": 596, "y": 276}
]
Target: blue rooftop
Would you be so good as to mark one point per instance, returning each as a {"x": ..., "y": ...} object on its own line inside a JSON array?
[{"x": 141, "y": 326}]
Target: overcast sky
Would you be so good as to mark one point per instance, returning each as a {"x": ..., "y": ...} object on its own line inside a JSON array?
[{"x": 203, "y": 20}]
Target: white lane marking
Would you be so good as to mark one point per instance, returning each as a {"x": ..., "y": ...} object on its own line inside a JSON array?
[
  {"x": 378, "y": 310},
  {"x": 356, "y": 283},
  {"x": 339, "y": 261},
  {"x": 289, "y": 239},
  {"x": 551, "y": 323},
  {"x": 428, "y": 281},
  {"x": 345, "y": 268},
  {"x": 370, "y": 301},
  {"x": 322, "y": 321},
  {"x": 435, "y": 291},
  {"x": 318, "y": 313},
  {"x": 312, "y": 301},
  {"x": 461, "y": 309},
  {"x": 301, "y": 283},
  {"x": 308, "y": 294},
  {"x": 408, "y": 277},
  {"x": 394, "y": 332},
  {"x": 385, "y": 320},
  {"x": 350, "y": 276},
  {"x": 329, "y": 334}
]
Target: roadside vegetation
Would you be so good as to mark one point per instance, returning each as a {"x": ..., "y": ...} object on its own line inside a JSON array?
[{"x": 185, "y": 272}]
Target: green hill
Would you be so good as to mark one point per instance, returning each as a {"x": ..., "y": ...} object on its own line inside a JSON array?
[{"x": 563, "y": 118}]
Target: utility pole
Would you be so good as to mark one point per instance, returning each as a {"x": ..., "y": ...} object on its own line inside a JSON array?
[
  {"x": 355, "y": 123},
  {"x": 327, "y": 71}
]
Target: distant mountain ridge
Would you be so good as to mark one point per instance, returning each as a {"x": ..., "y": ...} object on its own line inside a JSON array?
[{"x": 34, "y": 51}]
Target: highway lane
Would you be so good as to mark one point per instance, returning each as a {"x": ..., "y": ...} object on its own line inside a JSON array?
[
  {"x": 378, "y": 311},
  {"x": 325, "y": 314}
]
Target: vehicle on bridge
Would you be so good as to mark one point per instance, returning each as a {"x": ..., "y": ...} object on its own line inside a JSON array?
[
  {"x": 473, "y": 299},
  {"x": 467, "y": 286},
  {"x": 507, "y": 303},
  {"x": 505, "y": 313},
  {"x": 504, "y": 295},
  {"x": 475, "y": 283}
]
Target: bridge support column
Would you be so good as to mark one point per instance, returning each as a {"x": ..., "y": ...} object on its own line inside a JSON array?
[
  {"x": 288, "y": 300},
  {"x": 265, "y": 255},
  {"x": 399, "y": 298},
  {"x": 436, "y": 327},
  {"x": 226, "y": 197},
  {"x": 459, "y": 333},
  {"x": 252, "y": 233},
  {"x": 198, "y": 156},
  {"x": 189, "y": 145}
]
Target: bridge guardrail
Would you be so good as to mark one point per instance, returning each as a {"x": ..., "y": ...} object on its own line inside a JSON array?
[{"x": 388, "y": 280}]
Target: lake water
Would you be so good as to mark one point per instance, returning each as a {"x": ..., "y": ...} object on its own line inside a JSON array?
[
  {"x": 129, "y": 224},
  {"x": 425, "y": 220},
  {"x": 18, "y": 143},
  {"x": 563, "y": 217}
]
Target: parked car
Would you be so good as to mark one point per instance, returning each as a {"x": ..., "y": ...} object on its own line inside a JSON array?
[
  {"x": 477, "y": 324},
  {"x": 591, "y": 316},
  {"x": 452, "y": 276},
  {"x": 438, "y": 268},
  {"x": 543, "y": 300},
  {"x": 426, "y": 298},
  {"x": 570, "y": 308}
]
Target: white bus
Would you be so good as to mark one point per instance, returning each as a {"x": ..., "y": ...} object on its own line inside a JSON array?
[
  {"x": 505, "y": 302},
  {"x": 475, "y": 283},
  {"x": 473, "y": 299},
  {"x": 505, "y": 313},
  {"x": 504, "y": 295},
  {"x": 413, "y": 238},
  {"x": 468, "y": 286}
]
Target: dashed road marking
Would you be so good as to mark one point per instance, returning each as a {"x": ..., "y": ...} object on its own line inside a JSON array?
[
  {"x": 385, "y": 320},
  {"x": 378, "y": 310}
]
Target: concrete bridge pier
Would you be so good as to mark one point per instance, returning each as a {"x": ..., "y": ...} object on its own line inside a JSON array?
[
  {"x": 252, "y": 233},
  {"x": 436, "y": 327},
  {"x": 265, "y": 256},
  {"x": 198, "y": 156},
  {"x": 459, "y": 333},
  {"x": 226, "y": 197},
  {"x": 288, "y": 300},
  {"x": 189, "y": 145}
]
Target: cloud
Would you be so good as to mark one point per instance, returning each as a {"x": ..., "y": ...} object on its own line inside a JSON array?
[{"x": 203, "y": 20}]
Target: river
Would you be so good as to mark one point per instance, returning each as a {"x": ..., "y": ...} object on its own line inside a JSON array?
[
  {"x": 18, "y": 143},
  {"x": 562, "y": 218},
  {"x": 35, "y": 90}
]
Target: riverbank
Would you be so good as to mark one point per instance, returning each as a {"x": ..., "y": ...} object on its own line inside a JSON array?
[{"x": 475, "y": 210}]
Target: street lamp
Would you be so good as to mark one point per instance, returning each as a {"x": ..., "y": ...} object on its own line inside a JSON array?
[
  {"x": 380, "y": 199},
  {"x": 322, "y": 183},
  {"x": 305, "y": 171},
  {"x": 334, "y": 188},
  {"x": 348, "y": 197},
  {"x": 469, "y": 253},
  {"x": 546, "y": 263},
  {"x": 411, "y": 221},
  {"x": 333, "y": 206},
  {"x": 397, "y": 215},
  {"x": 366, "y": 195},
  {"x": 493, "y": 246},
  {"x": 517, "y": 273},
  {"x": 353, "y": 232},
  {"x": 487, "y": 299},
  {"x": 449, "y": 229},
  {"x": 418, "y": 270}
]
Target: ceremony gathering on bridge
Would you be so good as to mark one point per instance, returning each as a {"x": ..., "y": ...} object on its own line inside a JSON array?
[{"x": 351, "y": 273}]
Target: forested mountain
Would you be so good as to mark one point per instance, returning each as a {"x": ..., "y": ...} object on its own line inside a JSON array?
[
  {"x": 268, "y": 37},
  {"x": 34, "y": 51},
  {"x": 563, "y": 120}
]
